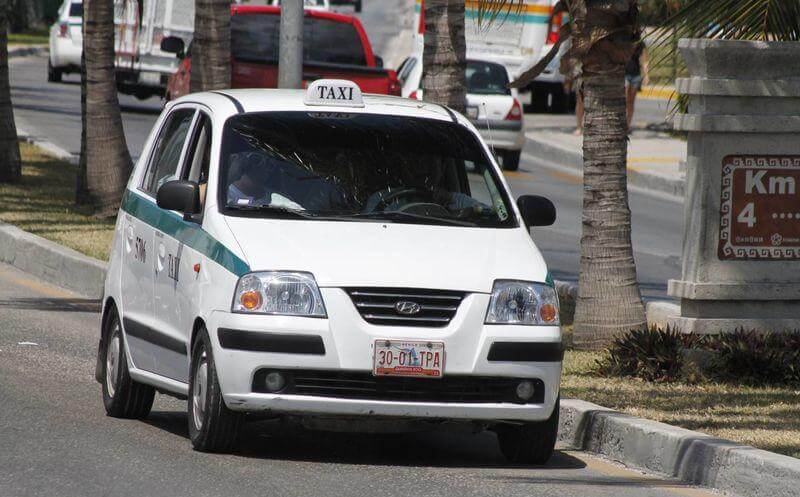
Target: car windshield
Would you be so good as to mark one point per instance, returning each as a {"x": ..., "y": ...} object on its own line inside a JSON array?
[
  {"x": 486, "y": 78},
  {"x": 76, "y": 9},
  {"x": 359, "y": 167}
]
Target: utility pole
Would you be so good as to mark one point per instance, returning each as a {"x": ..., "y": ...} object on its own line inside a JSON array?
[{"x": 290, "y": 63}]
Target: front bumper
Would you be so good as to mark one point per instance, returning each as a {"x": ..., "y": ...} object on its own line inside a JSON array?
[
  {"x": 502, "y": 134},
  {"x": 347, "y": 341}
]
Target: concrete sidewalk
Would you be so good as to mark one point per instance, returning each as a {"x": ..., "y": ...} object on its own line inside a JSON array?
[{"x": 656, "y": 159}]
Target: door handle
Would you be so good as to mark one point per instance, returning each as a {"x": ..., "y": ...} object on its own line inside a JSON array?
[{"x": 162, "y": 254}]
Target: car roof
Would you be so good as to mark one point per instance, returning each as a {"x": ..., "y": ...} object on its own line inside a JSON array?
[{"x": 226, "y": 103}]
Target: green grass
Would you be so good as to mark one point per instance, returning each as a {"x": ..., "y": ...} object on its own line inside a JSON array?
[
  {"x": 43, "y": 203},
  {"x": 767, "y": 418},
  {"x": 37, "y": 37}
]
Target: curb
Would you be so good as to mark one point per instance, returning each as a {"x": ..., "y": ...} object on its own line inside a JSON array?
[
  {"x": 541, "y": 150},
  {"x": 51, "y": 262},
  {"x": 690, "y": 456}
]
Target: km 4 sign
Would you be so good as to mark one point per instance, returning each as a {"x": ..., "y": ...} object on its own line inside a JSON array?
[{"x": 760, "y": 209}]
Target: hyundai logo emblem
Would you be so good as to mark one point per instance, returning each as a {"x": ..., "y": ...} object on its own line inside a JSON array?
[{"x": 407, "y": 308}]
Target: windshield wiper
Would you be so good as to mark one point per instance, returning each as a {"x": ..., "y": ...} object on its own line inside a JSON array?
[
  {"x": 272, "y": 209},
  {"x": 403, "y": 216}
]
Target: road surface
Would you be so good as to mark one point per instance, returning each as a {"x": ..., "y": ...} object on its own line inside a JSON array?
[
  {"x": 55, "y": 439},
  {"x": 52, "y": 111}
]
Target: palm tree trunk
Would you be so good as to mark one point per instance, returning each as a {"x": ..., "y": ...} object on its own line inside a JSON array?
[
  {"x": 609, "y": 302},
  {"x": 444, "y": 58},
  {"x": 108, "y": 162},
  {"x": 10, "y": 171},
  {"x": 211, "y": 47}
]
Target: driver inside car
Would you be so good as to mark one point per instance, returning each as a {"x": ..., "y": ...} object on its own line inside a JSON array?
[{"x": 252, "y": 188}]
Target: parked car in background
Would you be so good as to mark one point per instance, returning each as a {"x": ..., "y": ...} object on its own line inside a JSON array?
[
  {"x": 491, "y": 107},
  {"x": 357, "y": 4},
  {"x": 66, "y": 41},
  {"x": 310, "y": 4},
  {"x": 335, "y": 46},
  {"x": 517, "y": 40},
  {"x": 143, "y": 69}
]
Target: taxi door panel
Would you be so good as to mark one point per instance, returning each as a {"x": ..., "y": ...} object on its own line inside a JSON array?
[{"x": 136, "y": 279}]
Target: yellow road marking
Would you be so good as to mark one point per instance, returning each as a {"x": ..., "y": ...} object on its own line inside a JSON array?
[
  {"x": 657, "y": 93},
  {"x": 607, "y": 468}
]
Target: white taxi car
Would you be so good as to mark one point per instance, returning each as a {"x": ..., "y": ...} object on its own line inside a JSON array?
[
  {"x": 330, "y": 256},
  {"x": 66, "y": 41}
]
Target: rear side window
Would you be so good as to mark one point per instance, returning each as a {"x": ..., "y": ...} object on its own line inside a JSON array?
[
  {"x": 486, "y": 78},
  {"x": 255, "y": 38},
  {"x": 76, "y": 10},
  {"x": 165, "y": 162}
]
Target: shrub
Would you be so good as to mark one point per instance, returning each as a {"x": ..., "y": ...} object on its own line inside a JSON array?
[
  {"x": 650, "y": 354},
  {"x": 757, "y": 358}
]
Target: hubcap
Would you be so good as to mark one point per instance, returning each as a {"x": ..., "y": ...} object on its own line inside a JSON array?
[
  {"x": 112, "y": 360},
  {"x": 199, "y": 392}
]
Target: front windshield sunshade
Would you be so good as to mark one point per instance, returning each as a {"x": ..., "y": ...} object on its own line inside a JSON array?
[{"x": 358, "y": 167}]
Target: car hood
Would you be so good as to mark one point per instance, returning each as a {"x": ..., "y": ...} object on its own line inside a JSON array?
[{"x": 341, "y": 254}]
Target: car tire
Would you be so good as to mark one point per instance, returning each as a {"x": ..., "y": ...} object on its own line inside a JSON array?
[
  {"x": 122, "y": 396},
  {"x": 529, "y": 443},
  {"x": 212, "y": 426},
  {"x": 510, "y": 159},
  {"x": 53, "y": 74}
]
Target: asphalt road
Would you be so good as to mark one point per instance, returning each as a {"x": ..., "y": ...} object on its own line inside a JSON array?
[
  {"x": 55, "y": 439},
  {"x": 52, "y": 111}
]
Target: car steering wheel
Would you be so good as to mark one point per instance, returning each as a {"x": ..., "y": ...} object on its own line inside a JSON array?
[{"x": 405, "y": 192}]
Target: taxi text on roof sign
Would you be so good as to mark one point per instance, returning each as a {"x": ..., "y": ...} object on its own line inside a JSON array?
[{"x": 338, "y": 92}]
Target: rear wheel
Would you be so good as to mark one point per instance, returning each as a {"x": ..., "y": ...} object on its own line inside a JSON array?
[
  {"x": 122, "y": 397},
  {"x": 53, "y": 74},
  {"x": 510, "y": 159},
  {"x": 212, "y": 426},
  {"x": 529, "y": 443}
]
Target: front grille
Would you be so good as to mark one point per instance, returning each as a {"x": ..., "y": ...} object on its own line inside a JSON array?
[
  {"x": 365, "y": 386},
  {"x": 379, "y": 306}
]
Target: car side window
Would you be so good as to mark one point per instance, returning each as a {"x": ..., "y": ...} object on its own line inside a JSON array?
[
  {"x": 406, "y": 68},
  {"x": 165, "y": 161}
]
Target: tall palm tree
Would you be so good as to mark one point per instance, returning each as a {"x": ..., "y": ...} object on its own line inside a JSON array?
[
  {"x": 211, "y": 47},
  {"x": 10, "y": 171},
  {"x": 444, "y": 57},
  {"x": 604, "y": 35},
  {"x": 105, "y": 152}
]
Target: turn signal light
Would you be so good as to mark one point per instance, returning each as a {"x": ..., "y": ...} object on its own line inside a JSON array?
[
  {"x": 250, "y": 300},
  {"x": 63, "y": 30},
  {"x": 548, "y": 313}
]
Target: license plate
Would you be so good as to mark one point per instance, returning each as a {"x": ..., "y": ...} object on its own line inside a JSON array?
[
  {"x": 472, "y": 112},
  {"x": 407, "y": 358}
]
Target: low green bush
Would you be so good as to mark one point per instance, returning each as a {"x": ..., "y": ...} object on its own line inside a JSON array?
[
  {"x": 755, "y": 358},
  {"x": 651, "y": 354}
]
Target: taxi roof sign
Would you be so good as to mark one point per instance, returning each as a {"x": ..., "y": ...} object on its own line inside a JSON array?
[{"x": 338, "y": 92}]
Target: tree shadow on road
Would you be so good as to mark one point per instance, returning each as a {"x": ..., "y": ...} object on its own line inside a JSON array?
[{"x": 48, "y": 304}]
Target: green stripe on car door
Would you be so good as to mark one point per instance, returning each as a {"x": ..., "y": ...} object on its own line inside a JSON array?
[{"x": 185, "y": 232}]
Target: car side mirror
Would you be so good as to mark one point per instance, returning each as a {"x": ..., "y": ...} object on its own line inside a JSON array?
[
  {"x": 379, "y": 62},
  {"x": 173, "y": 44},
  {"x": 179, "y": 195},
  {"x": 536, "y": 210}
]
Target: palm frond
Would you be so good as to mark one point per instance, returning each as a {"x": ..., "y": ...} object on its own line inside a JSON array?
[{"x": 490, "y": 10}]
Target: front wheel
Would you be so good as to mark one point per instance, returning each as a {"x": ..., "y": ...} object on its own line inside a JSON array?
[
  {"x": 212, "y": 426},
  {"x": 510, "y": 159},
  {"x": 122, "y": 397},
  {"x": 529, "y": 443}
]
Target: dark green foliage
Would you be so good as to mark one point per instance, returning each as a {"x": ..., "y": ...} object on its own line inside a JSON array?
[
  {"x": 651, "y": 354},
  {"x": 756, "y": 358}
]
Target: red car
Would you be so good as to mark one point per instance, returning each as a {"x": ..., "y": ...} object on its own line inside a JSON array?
[{"x": 335, "y": 46}]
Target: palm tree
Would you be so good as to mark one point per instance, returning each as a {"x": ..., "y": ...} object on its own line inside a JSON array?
[
  {"x": 603, "y": 35},
  {"x": 10, "y": 171},
  {"x": 105, "y": 152},
  {"x": 444, "y": 57},
  {"x": 211, "y": 47}
]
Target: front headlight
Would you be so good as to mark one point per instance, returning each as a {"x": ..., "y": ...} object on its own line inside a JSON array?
[
  {"x": 522, "y": 302},
  {"x": 278, "y": 292}
]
